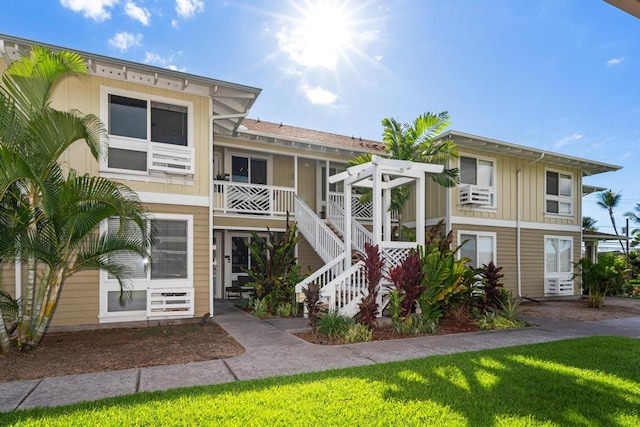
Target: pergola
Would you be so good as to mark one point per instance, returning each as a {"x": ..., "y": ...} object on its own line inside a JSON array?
[{"x": 381, "y": 175}]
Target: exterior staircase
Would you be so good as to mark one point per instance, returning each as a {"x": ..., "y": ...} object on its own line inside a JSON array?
[{"x": 342, "y": 279}]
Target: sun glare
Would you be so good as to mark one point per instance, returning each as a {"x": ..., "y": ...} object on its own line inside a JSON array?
[{"x": 321, "y": 34}]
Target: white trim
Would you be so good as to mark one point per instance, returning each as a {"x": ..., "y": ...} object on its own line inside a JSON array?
[
  {"x": 228, "y": 164},
  {"x": 464, "y": 220},
  {"x": 494, "y": 178},
  {"x": 211, "y": 156},
  {"x": 559, "y": 198},
  {"x": 105, "y": 91},
  {"x": 242, "y": 228},
  {"x": 164, "y": 179},
  {"x": 494, "y": 243},
  {"x": 173, "y": 199}
]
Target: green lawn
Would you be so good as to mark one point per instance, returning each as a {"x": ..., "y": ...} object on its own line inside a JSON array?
[{"x": 591, "y": 382}]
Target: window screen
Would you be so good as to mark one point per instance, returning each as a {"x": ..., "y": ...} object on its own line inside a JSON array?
[
  {"x": 168, "y": 123},
  {"x": 169, "y": 252},
  {"x": 127, "y": 117}
]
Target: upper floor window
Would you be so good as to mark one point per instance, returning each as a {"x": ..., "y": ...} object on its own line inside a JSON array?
[
  {"x": 558, "y": 193},
  {"x": 477, "y": 179},
  {"x": 147, "y": 134}
]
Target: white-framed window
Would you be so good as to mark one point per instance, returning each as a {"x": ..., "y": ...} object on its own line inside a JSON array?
[
  {"x": 558, "y": 265},
  {"x": 558, "y": 255},
  {"x": 558, "y": 193},
  {"x": 169, "y": 264},
  {"x": 478, "y": 246},
  {"x": 147, "y": 133},
  {"x": 478, "y": 180},
  {"x": 249, "y": 168}
]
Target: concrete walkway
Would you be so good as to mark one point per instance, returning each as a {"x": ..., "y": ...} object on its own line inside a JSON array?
[{"x": 271, "y": 351}]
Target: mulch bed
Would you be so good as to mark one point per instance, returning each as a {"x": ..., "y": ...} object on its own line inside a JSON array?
[{"x": 66, "y": 353}]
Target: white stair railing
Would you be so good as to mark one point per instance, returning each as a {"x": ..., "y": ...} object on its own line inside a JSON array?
[
  {"x": 318, "y": 234},
  {"x": 345, "y": 291},
  {"x": 359, "y": 234},
  {"x": 324, "y": 275}
]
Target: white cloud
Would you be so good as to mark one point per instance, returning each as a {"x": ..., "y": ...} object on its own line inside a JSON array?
[
  {"x": 378, "y": 58},
  {"x": 136, "y": 12},
  {"x": 319, "y": 96},
  {"x": 159, "y": 61},
  {"x": 569, "y": 139},
  {"x": 94, "y": 9},
  {"x": 615, "y": 61},
  {"x": 124, "y": 41},
  {"x": 188, "y": 8},
  {"x": 174, "y": 23}
]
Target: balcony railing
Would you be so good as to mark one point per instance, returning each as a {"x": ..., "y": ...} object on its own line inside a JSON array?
[
  {"x": 361, "y": 211},
  {"x": 476, "y": 195},
  {"x": 235, "y": 197}
]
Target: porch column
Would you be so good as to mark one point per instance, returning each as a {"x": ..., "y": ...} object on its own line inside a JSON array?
[
  {"x": 420, "y": 209},
  {"x": 347, "y": 225},
  {"x": 386, "y": 214},
  {"x": 377, "y": 203}
]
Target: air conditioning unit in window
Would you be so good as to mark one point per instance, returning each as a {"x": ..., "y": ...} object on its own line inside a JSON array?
[
  {"x": 475, "y": 195},
  {"x": 558, "y": 286}
]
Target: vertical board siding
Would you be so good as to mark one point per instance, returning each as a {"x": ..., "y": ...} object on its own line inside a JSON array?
[
  {"x": 307, "y": 257},
  {"x": 307, "y": 182}
]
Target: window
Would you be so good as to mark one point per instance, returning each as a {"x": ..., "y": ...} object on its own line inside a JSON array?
[
  {"x": 249, "y": 169},
  {"x": 147, "y": 134},
  {"x": 169, "y": 264},
  {"x": 558, "y": 192},
  {"x": 479, "y": 247},
  {"x": 558, "y": 255},
  {"x": 477, "y": 179}
]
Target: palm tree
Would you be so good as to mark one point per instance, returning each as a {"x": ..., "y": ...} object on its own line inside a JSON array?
[
  {"x": 417, "y": 143},
  {"x": 589, "y": 224},
  {"x": 609, "y": 200},
  {"x": 48, "y": 217}
]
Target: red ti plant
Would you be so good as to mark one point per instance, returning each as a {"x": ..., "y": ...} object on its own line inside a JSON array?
[
  {"x": 373, "y": 265},
  {"x": 407, "y": 278}
]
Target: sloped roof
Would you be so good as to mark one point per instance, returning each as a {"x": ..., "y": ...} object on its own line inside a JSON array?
[
  {"x": 272, "y": 132},
  {"x": 231, "y": 101},
  {"x": 588, "y": 167}
]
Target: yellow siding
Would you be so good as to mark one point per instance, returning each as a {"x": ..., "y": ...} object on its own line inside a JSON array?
[
  {"x": 532, "y": 181},
  {"x": 532, "y": 256},
  {"x": 308, "y": 259},
  {"x": 283, "y": 171},
  {"x": 307, "y": 182},
  {"x": 79, "y": 302},
  {"x": 84, "y": 94}
]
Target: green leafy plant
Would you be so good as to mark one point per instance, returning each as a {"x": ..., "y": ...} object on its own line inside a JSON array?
[
  {"x": 273, "y": 266},
  {"x": 510, "y": 307},
  {"x": 259, "y": 307},
  {"x": 415, "y": 324},
  {"x": 373, "y": 265},
  {"x": 357, "y": 332},
  {"x": 333, "y": 325},
  {"x": 286, "y": 309},
  {"x": 601, "y": 278},
  {"x": 443, "y": 276},
  {"x": 312, "y": 302},
  {"x": 493, "y": 320}
]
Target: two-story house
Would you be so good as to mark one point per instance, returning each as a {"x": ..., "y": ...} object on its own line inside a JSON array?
[{"x": 210, "y": 177}]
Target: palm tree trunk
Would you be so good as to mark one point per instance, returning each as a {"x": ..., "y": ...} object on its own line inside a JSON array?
[
  {"x": 613, "y": 222},
  {"x": 5, "y": 342}
]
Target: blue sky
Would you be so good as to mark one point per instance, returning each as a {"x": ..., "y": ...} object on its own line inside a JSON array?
[{"x": 560, "y": 75}]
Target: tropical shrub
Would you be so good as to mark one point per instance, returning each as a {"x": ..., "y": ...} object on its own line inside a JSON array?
[
  {"x": 357, "y": 332},
  {"x": 259, "y": 307},
  {"x": 407, "y": 279},
  {"x": 510, "y": 307},
  {"x": 286, "y": 309},
  {"x": 312, "y": 303},
  {"x": 273, "y": 266},
  {"x": 333, "y": 325},
  {"x": 368, "y": 306},
  {"x": 442, "y": 278},
  {"x": 491, "y": 296},
  {"x": 493, "y": 320},
  {"x": 50, "y": 216},
  {"x": 602, "y": 278}
]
